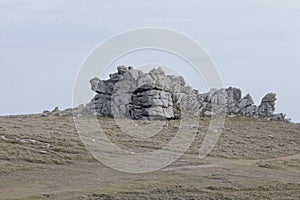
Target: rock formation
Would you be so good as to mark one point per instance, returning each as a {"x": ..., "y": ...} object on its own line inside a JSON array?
[
  {"x": 130, "y": 93},
  {"x": 267, "y": 106}
]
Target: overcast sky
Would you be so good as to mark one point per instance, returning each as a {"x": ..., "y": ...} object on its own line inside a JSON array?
[{"x": 254, "y": 43}]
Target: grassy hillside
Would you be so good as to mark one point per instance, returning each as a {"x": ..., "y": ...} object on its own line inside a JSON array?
[{"x": 43, "y": 158}]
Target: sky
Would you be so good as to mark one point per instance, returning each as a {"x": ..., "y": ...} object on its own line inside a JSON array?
[{"x": 255, "y": 45}]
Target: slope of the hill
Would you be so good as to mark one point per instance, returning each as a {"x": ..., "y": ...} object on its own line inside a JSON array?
[{"x": 43, "y": 158}]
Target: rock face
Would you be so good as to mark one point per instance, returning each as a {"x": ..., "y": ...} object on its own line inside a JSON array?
[
  {"x": 130, "y": 93},
  {"x": 267, "y": 106}
]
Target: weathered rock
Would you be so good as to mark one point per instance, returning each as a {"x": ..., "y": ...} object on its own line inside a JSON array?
[
  {"x": 94, "y": 84},
  {"x": 278, "y": 117},
  {"x": 233, "y": 95},
  {"x": 218, "y": 97},
  {"x": 122, "y": 70},
  {"x": 176, "y": 83},
  {"x": 152, "y": 104},
  {"x": 245, "y": 102},
  {"x": 130, "y": 93},
  {"x": 267, "y": 106}
]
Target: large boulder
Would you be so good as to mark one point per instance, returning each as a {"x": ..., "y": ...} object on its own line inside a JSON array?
[
  {"x": 246, "y": 101},
  {"x": 267, "y": 106},
  {"x": 246, "y": 106}
]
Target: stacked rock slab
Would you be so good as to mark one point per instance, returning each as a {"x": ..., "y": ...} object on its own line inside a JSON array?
[
  {"x": 151, "y": 104},
  {"x": 130, "y": 93}
]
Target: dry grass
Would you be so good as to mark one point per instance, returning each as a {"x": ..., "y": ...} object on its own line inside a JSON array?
[
  {"x": 55, "y": 140},
  {"x": 272, "y": 192},
  {"x": 40, "y": 140},
  {"x": 43, "y": 158}
]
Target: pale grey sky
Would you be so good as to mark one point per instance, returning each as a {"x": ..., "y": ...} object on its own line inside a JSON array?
[{"x": 254, "y": 43}]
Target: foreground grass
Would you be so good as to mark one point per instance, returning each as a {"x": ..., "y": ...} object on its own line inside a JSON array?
[
  {"x": 54, "y": 139},
  {"x": 43, "y": 158},
  {"x": 40, "y": 140},
  {"x": 278, "y": 191}
]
